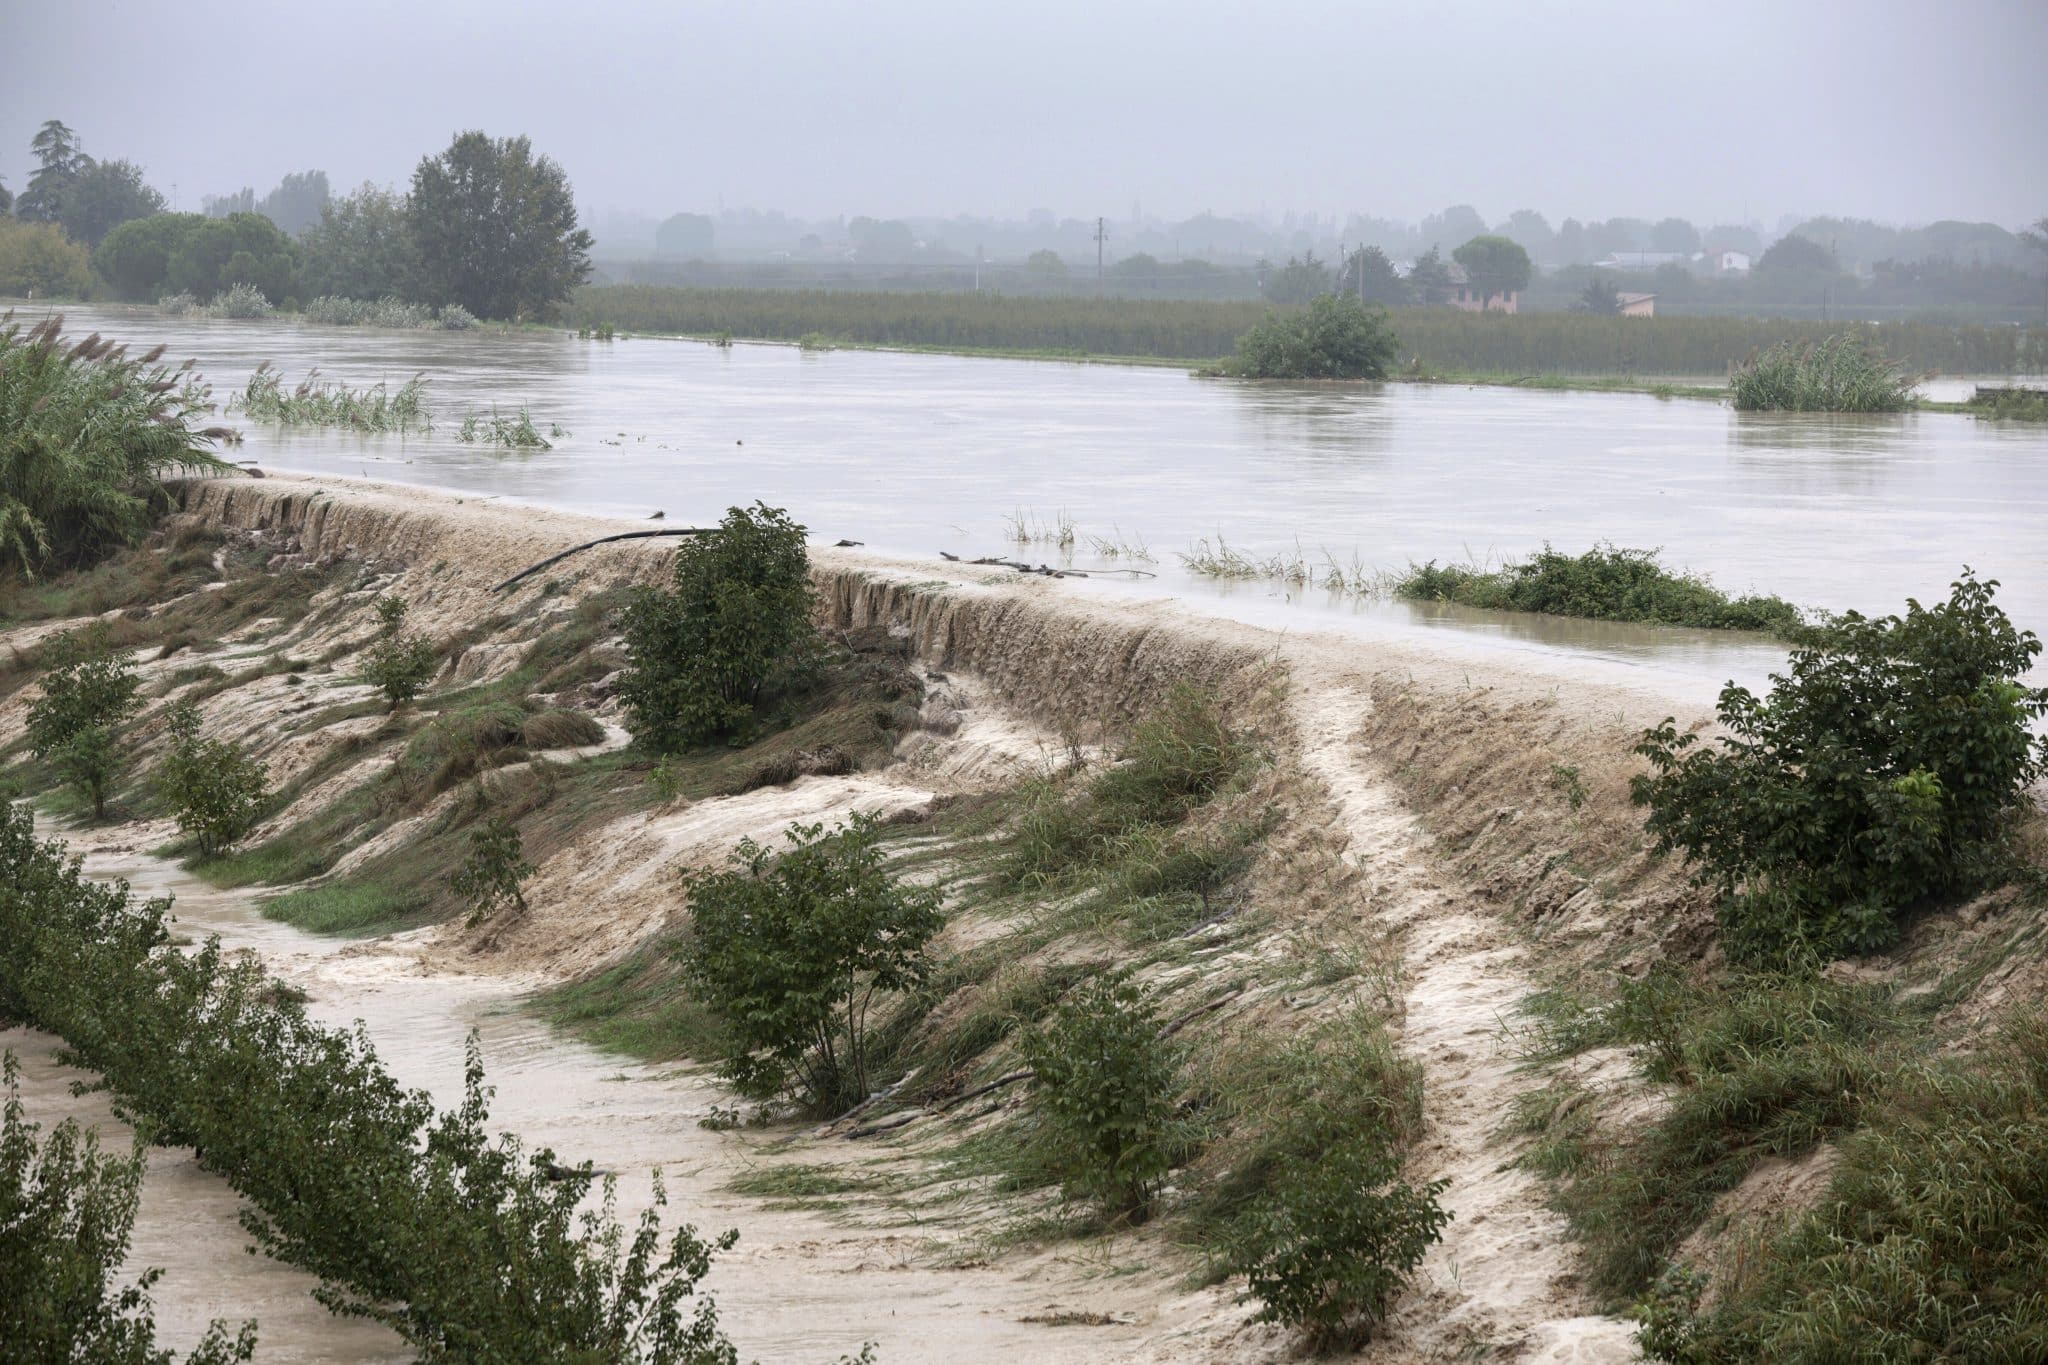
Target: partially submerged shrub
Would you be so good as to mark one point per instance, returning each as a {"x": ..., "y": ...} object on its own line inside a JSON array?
[
  {"x": 317, "y": 403},
  {"x": 1881, "y": 770},
  {"x": 399, "y": 664},
  {"x": 87, "y": 434},
  {"x": 67, "y": 1214},
  {"x": 2011, "y": 403},
  {"x": 491, "y": 878},
  {"x": 1335, "y": 337},
  {"x": 514, "y": 431},
  {"x": 793, "y": 950},
  {"x": 1105, "y": 1096},
  {"x": 213, "y": 787},
  {"x": 71, "y": 724},
  {"x": 733, "y": 626},
  {"x": 1606, "y": 583},
  {"x": 240, "y": 301},
  {"x": 1838, "y": 374}
]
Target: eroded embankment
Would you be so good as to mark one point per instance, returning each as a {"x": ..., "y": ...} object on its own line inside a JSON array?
[{"x": 1420, "y": 848}]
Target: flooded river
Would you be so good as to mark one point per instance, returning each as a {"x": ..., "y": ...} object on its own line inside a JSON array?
[{"x": 922, "y": 453}]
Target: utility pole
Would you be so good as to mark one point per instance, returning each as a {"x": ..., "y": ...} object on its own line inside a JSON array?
[{"x": 1101, "y": 236}]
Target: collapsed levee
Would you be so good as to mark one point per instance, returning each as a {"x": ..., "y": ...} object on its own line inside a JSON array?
[{"x": 1325, "y": 889}]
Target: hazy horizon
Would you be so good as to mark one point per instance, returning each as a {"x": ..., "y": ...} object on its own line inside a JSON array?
[{"x": 1731, "y": 113}]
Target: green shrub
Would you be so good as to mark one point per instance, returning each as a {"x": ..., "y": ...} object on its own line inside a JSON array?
[
  {"x": 1107, "y": 1126},
  {"x": 71, "y": 724},
  {"x": 398, "y": 664},
  {"x": 1605, "y": 583},
  {"x": 2011, "y": 404},
  {"x": 1837, "y": 374},
  {"x": 1335, "y": 337},
  {"x": 87, "y": 434},
  {"x": 490, "y": 878},
  {"x": 66, "y": 1216},
  {"x": 1881, "y": 770},
  {"x": 1337, "y": 1239},
  {"x": 793, "y": 951},
  {"x": 470, "y": 1248},
  {"x": 734, "y": 625},
  {"x": 1928, "y": 1243},
  {"x": 212, "y": 786}
]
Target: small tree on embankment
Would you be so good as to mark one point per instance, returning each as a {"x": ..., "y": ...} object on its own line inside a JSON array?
[{"x": 1335, "y": 337}]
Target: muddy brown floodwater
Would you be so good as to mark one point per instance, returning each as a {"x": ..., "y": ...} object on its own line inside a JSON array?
[
  {"x": 920, "y": 453},
  {"x": 799, "y": 1287}
]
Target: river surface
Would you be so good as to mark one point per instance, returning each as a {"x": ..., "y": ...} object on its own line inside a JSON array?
[{"x": 922, "y": 453}]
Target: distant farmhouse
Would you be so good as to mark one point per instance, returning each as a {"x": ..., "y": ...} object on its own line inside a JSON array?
[
  {"x": 1635, "y": 305},
  {"x": 1466, "y": 299}
]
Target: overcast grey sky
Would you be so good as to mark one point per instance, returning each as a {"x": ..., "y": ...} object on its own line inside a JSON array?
[{"x": 1903, "y": 110}]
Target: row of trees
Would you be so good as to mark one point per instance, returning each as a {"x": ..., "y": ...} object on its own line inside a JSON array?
[
  {"x": 1489, "y": 266},
  {"x": 487, "y": 224}
]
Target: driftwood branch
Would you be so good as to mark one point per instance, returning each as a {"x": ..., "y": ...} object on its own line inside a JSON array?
[
  {"x": 1198, "y": 1011},
  {"x": 602, "y": 540},
  {"x": 1007, "y": 1078}
]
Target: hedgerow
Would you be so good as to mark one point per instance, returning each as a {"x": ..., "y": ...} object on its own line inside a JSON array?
[{"x": 470, "y": 1248}]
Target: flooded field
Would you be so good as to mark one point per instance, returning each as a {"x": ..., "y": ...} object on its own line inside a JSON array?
[{"x": 920, "y": 453}]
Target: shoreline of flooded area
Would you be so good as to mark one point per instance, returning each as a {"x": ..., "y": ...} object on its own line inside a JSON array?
[{"x": 914, "y": 454}]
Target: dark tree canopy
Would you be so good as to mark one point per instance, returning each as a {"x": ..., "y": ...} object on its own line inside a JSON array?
[
  {"x": 104, "y": 196},
  {"x": 1797, "y": 253},
  {"x": 1429, "y": 279},
  {"x": 1494, "y": 265},
  {"x": 60, "y": 161},
  {"x": 495, "y": 227},
  {"x": 685, "y": 235},
  {"x": 361, "y": 248},
  {"x": 1371, "y": 278},
  {"x": 214, "y": 254},
  {"x": 1298, "y": 281}
]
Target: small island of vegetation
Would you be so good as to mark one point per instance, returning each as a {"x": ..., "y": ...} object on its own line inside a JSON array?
[{"x": 1606, "y": 583}]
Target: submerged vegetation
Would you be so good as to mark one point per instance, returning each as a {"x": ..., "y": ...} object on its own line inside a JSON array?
[
  {"x": 1606, "y": 583},
  {"x": 243, "y": 301},
  {"x": 1839, "y": 373},
  {"x": 318, "y": 403},
  {"x": 87, "y": 435},
  {"x": 1335, "y": 337},
  {"x": 332, "y": 310},
  {"x": 2009, "y": 404},
  {"x": 509, "y": 432}
]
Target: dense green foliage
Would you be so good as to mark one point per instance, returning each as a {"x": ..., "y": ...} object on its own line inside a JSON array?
[
  {"x": 2010, "y": 404},
  {"x": 400, "y": 663},
  {"x": 189, "y": 253},
  {"x": 472, "y": 1249},
  {"x": 734, "y": 624},
  {"x": 1840, "y": 373},
  {"x": 37, "y": 261},
  {"x": 1605, "y": 583},
  {"x": 1106, "y": 1086},
  {"x": 66, "y": 1215},
  {"x": 1315, "y": 1214},
  {"x": 1437, "y": 340},
  {"x": 361, "y": 248},
  {"x": 792, "y": 950},
  {"x": 491, "y": 878},
  {"x": 1335, "y": 337},
  {"x": 1496, "y": 266},
  {"x": 1928, "y": 1243},
  {"x": 212, "y": 786},
  {"x": 85, "y": 696},
  {"x": 495, "y": 229},
  {"x": 87, "y": 434},
  {"x": 1881, "y": 770}
]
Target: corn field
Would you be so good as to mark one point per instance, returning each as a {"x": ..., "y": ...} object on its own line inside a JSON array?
[{"x": 1432, "y": 340}]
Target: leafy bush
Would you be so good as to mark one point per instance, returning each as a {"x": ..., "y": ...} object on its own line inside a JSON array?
[
  {"x": 1312, "y": 1210},
  {"x": 66, "y": 1216},
  {"x": 399, "y": 664},
  {"x": 1335, "y": 337},
  {"x": 1927, "y": 1244},
  {"x": 490, "y": 878},
  {"x": 734, "y": 625},
  {"x": 71, "y": 724},
  {"x": 793, "y": 951},
  {"x": 1603, "y": 584},
  {"x": 1336, "y": 1241},
  {"x": 240, "y": 301},
  {"x": 1881, "y": 770},
  {"x": 1837, "y": 374},
  {"x": 38, "y": 261},
  {"x": 87, "y": 434},
  {"x": 334, "y": 311},
  {"x": 212, "y": 786},
  {"x": 471, "y": 1249},
  {"x": 1105, "y": 1096}
]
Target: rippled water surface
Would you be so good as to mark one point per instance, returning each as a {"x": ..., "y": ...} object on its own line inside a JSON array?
[{"x": 920, "y": 453}]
